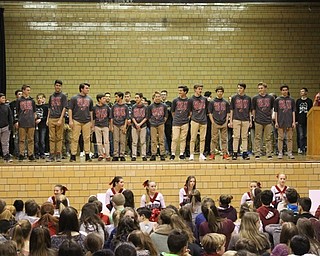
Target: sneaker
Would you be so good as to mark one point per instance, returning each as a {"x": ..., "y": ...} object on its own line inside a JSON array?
[
  {"x": 257, "y": 157},
  {"x": 290, "y": 156},
  {"x": 182, "y": 157},
  {"x": 122, "y": 158},
  {"x": 108, "y": 159},
  {"x": 50, "y": 158},
  {"x": 31, "y": 158},
  {"x": 88, "y": 158},
  {"x": 280, "y": 156},
  {"x": 21, "y": 157},
  {"x": 300, "y": 151},
  {"x": 163, "y": 158},
  {"x": 115, "y": 158},
  {"x": 133, "y": 159},
  {"x": 234, "y": 156},
  {"x": 82, "y": 154},
  {"x": 72, "y": 158},
  {"x": 245, "y": 156},
  {"x": 7, "y": 158},
  {"x": 202, "y": 157},
  {"x": 153, "y": 158},
  {"x": 269, "y": 157},
  {"x": 225, "y": 156},
  {"x": 100, "y": 158},
  {"x": 58, "y": 157},
  {"x": 191, "y": 158},
  {"x": 212, "y": 157},
  {"x": 144, "y": 158},
  {"x": 95, "y": 155},
  {"x": 172, "y": 157}
]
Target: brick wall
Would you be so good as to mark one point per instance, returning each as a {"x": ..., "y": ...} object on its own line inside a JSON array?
[
  {"x": 144, "y": 47},
  {"x": 37, "y": 180}
]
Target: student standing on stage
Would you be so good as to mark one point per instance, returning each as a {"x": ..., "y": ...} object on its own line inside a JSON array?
[
  {"x": 101, "y": 116},
  {"x": 5, "y": 127},
  {"x": 26, "y": 111},
  {"x": 14, "y": 137},
  {"x": 118, "y": 126},
  {"x": 157, "y": 116},
  {"x": 262, "y": 107},
  {"x": 139, "y": 127},
  {"x": 219, "y": 111},
  {"x": 198, "y": 111},
  {"x": 284, "y": 108},
  {"x": 240, "y": 120},
  {"x": 81, "y": 119},
  {"x": 56, "y": 119},
  {"x": 180, "y": 124},
  {"x": 303, "y": 105}
]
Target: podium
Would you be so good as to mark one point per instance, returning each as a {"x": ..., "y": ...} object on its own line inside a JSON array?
[{"x": 313, "y": 132}]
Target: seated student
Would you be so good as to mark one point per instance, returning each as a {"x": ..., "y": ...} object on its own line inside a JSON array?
[
  {"x": 290, "y": 202},
  {"x": 288, "y": 231},
  {"x": 304, "y": 206},
  {"x": 125, "y": 249},
  {"x": 177, "y": 244},
  {"x": 32, "y": 210},
  {"x": 225, "y": 209},
  {"x": 274, "y": 230},
  {"x": 70, "y": 248},
  {"x": 4, "y": 230},
  {"x": 247, "y": 245},
  {"x": 214, "y": 244},
  {"x": 117, "y": 202},
  {"x": 145, "y": 224},
  {"x": 8, "y": 248},
  {"x": 300, "y": 245},
  {"x": 19, "y": 204},
  {"x": 268, "y": 215}
]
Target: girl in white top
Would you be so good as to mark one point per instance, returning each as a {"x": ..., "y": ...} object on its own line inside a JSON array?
[
  {"x": 186, "y": 192},
  {"x": 279, "y": 190},
  {"x": 249, "y": 196},
  {"x": 152, "y": 199},
  {"x": 58, "y": 192},
  {"x": 117, "y": 187}
]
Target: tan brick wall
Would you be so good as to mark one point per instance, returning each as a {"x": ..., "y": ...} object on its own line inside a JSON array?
[
  {"x": 147, "y": 47},
  {"x": 37, "y": 180}
]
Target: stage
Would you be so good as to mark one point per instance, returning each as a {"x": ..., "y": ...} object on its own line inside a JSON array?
[{"x": 26, "y": 180}]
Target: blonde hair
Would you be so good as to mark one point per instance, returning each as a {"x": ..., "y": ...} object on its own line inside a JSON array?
[
  {"x": 212, "y": 242},
  {"x": 249, "y": 229}
]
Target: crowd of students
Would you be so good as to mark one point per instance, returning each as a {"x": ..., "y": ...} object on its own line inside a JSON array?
[
  {"x": 141, "y": 127},
  {"x": 274, "y": 221}
]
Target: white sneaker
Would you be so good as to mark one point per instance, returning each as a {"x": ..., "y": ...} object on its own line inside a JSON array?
[
  {"x": 202, "y": 157},
  {"x": 191, "y": 158},
  {"x": 82, "y": 154},
  {"x": 290, "y": 156},
  {"x": 280, "y": 156}
]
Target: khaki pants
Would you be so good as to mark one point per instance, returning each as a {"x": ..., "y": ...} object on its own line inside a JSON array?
[
  {"x": 215, "y": 137},
  {"x": 103, "y": 146},
  {"x": 157, "y": 133},
  {"x": 195, "y": 127},
  {"x": 29, "y": 132},
  {"x": 281, "y": 132},
  {"x": 179, "y": 132},
  {"x": 119, "y": 141},
  {"x": 55, "y": 135},
  {"x": 86, "y": 132},
  {"x": 240, "y": 128},
  {"x": 136, "y": 135},
  {"x": 266, "y": 131}
]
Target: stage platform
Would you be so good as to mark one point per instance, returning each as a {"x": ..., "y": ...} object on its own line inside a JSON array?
[{"x": 25, "y": 180}]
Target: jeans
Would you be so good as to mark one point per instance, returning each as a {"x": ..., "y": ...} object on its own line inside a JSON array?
[
  {"x": 302, "y": 136},
  {"x": 40, "y": 141}
]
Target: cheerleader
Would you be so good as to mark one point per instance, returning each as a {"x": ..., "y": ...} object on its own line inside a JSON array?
[
  {"x": 57, "y": 191},
  {"x": 186, "y": 192},
  {"x": 152, "y": 199},
  {"x": 279, "y": 190},
  {"x": 249, "y": 196},
  {"x": 117, "y": 187}
]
